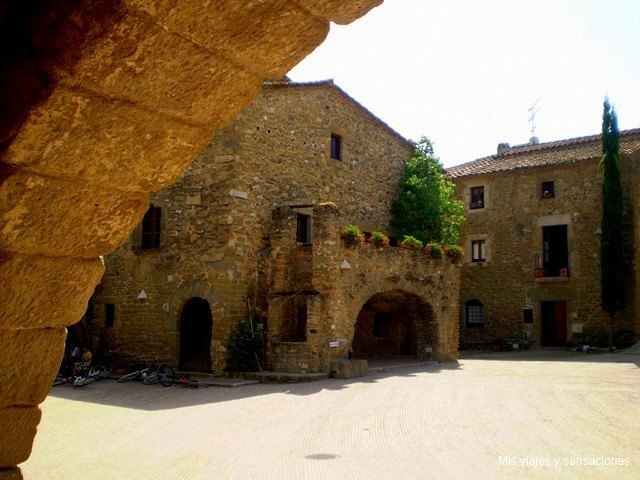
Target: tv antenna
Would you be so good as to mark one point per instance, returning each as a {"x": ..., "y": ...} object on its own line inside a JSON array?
[{"x": 533, "y": 111}]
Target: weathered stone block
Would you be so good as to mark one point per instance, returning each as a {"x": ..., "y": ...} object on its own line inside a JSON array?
[
  {"x": 215, "y": 25},
  {"x": 18, "y": 426},
  {"x": 74, "y": 218},
  {"x": 29, "y": 360},
  {"x": 53, "y": 291},
  {"x": 133, "y": 63},
  {"x": 60, "y": 136},
  {"x": 348, "y": 368}
]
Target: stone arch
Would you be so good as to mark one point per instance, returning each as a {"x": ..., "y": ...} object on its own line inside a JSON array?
[
  {"x": 390, "y": 320},
  {"x": 91, "y": 128},
  {"x": 204, "y": 290},
  {"x": 196, "y": 331}
]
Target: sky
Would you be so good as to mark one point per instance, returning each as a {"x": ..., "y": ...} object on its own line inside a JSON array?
[{"x": 465, "y": 72}]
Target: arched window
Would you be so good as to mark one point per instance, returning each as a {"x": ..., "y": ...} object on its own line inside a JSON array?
[
  {"x": 151, "y": 228},
  {"x": 475, "y": 313}
]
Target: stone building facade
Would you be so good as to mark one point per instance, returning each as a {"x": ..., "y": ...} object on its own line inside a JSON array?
[
  {"x": 531, "y": 271},
  {"x": 249, "y": 228}
]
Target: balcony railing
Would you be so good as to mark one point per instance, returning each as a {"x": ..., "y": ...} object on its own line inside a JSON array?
[{"x": 550, "y": 269}]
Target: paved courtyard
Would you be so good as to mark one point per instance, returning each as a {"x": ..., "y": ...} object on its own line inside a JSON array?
[{"x": 492, "y": 416}]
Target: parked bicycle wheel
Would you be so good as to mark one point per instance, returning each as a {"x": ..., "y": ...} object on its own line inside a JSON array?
[{"x": 166, "y": 375}]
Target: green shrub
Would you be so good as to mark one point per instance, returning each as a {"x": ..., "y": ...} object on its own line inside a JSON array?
[
  {"x": 434, "y": 250},
  {"x": 412, "y": 242},
  {"x": 246, "y": 346},
  {"x": 352, "y": 236},
  {"x": 454, "y": 253},
  {"x": 427, "y": 207},
  {"x": 379, "y": 239}
]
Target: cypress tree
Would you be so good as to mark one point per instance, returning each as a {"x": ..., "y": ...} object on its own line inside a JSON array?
[{"x": 612, "y": 274}]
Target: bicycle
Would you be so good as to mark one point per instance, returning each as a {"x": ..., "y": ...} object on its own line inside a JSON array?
[
  {"x": 164, "y": 375},
  {"x": 85, "y": 375}
]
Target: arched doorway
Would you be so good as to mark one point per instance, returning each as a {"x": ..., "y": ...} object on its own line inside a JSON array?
[
  {"x": 393, "y": 324},
  {"x": 196, "y": 328}
]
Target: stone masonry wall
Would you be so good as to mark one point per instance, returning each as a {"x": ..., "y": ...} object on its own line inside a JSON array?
[
  {"x": 511, "y": 224},
  {"x": 216, "y": 221},
  {"x": 339, "y": 291}
]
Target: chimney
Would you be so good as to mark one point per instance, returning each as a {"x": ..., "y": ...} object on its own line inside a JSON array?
[{"x": 503, "y": 148}]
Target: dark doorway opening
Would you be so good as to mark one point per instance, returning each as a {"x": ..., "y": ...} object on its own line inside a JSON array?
[
  {"x": 393, "y": 324},
  {"x": 196, "y": 327},
  {"x": 553, "y": 316},
  {"x": 555, "y": 250}
]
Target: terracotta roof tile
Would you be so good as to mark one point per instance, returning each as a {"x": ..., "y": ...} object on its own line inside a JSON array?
[{"x": 571, "y": 150}]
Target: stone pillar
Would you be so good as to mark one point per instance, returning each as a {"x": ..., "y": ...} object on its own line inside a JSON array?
[{"x": 326, "y": 268}]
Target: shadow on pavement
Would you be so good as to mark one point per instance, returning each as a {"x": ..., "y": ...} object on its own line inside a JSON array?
[{"x": 155, "y": 397}]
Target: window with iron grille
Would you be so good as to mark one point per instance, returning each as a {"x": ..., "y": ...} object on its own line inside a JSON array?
[
  {"x": 477, "y": 197},
  {"x": 151, "y": 228},
  {"x": 475, "y": 313}
]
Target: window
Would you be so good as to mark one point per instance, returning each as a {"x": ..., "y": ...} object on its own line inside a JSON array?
[
  {"x": 336, "y": 147},
  {"x": 151, "y": 228},
  {"x": 475, "y": 313},
  {"x": 555, "y": 254},
  {"x": 478, "y": 250},
  {"x": 382, "y": 324},
  {"x": 477, "y": 198},
  {"x": 303, "y": 228},
  {"x": 527, "y": 315},
  {"x": 301, "y": 323},
  {"x": 548, "y": 190},
  {"x": 109, "y": 315}
]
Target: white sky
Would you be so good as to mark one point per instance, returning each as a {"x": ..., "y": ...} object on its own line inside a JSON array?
[{"x": 465, "y": 72}]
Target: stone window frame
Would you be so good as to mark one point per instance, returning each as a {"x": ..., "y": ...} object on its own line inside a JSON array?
[
  {"x": 151, "y": 226},
  {"x": 344, "y": 150},
  {"x": 136, "y": 235},
  {"x": 305, "y": 231},
  {"x": 487, "y": 245},
  {"x": 100, "y": 310},
  {"x": 547, "y": 189},
  {"x": 477, "y": 191},
  {"x": 305, "y": 209},
  {"x": 474, "y": 302},
  {"x": 486, "y": 197},
  {"x": 335, "y": 149}
]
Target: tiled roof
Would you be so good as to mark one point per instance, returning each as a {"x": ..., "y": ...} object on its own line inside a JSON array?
[
  {"x": 567, "y": 151},
  {"x": 286, "y": 83}
]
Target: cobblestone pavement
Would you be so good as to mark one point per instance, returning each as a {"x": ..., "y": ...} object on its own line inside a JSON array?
[{"x": 492, "y": 416}]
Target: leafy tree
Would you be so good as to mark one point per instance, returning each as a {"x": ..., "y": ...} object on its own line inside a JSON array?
[
  {"x": 612, "y": 271},
  {"x": 426, "y": 208}
]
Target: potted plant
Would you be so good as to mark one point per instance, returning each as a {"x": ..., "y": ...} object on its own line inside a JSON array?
[
  {"x": 454, "y": 253},
  {"x": 379, "y": 239},
  {"x": 434, "y": 250},
  {"x": 352, "y": 236},
  {"x": 411, "y": 243}
]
